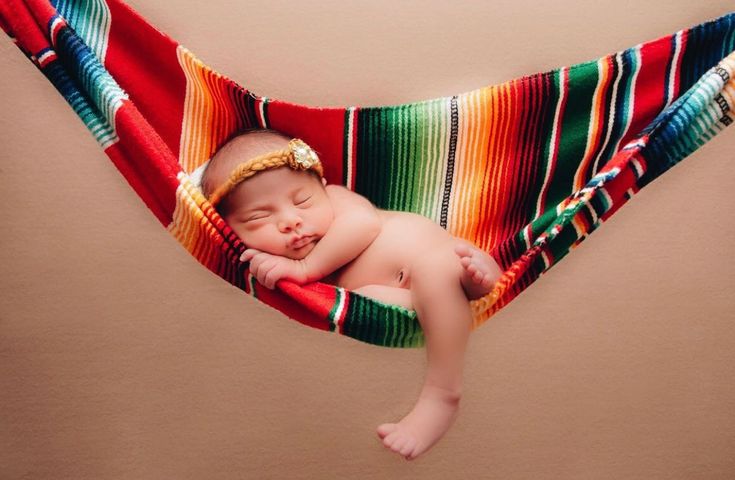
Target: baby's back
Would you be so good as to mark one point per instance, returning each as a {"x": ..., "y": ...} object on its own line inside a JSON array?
[{"x": 404, "y": 239}]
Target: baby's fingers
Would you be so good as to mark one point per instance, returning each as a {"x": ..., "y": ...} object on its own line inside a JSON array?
[
  {"x": 268, "y": 275},
  {"x": 273, "y": 276},
  {"x": 248, "y": 254}
]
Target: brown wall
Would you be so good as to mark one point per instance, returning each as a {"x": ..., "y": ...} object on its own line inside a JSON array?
[{"x": 121, "y": 357}]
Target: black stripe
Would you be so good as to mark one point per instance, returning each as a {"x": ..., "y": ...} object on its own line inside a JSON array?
[{"x": 450, "y": 162}]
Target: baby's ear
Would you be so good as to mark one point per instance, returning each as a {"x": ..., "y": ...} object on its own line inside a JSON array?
[{"x": 324, "y": 181}]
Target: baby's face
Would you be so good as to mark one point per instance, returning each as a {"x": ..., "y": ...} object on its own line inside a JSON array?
[{"x": 280, "y": 211}]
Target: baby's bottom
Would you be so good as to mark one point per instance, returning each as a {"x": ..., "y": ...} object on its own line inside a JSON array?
[{"x": 480, "y": 272}]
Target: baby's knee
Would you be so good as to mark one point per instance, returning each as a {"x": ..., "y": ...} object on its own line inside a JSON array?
[{"x": 439, "y": 265}]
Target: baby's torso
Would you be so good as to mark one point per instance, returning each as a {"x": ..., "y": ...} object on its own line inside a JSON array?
[{"x": 404, "y": 239}]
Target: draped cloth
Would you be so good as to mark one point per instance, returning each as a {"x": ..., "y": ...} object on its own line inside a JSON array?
[{"x": 525, "y": 170}]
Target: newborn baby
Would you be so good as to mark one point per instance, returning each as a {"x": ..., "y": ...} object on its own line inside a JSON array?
[{"x": 271, "y": 192}]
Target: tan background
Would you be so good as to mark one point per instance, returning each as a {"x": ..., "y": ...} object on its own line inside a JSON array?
[{"x": 121, "y": 357}]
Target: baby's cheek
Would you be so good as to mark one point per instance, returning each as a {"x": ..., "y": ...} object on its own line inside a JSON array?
[{"x": 247, "y": 234}]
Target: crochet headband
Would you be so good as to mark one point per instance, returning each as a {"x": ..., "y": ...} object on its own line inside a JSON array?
[{"x": 298, "y": 156}]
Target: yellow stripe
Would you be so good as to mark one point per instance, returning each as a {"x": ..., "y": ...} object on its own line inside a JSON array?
[{"x": 209, "y": 117}]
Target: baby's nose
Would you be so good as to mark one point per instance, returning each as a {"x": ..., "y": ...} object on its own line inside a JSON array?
[{"x": 290, "y": 222}]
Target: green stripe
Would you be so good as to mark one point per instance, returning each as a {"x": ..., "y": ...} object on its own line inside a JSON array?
[
  {"x": 380, "y": 324},
  {"x": 574, "y": 126}
]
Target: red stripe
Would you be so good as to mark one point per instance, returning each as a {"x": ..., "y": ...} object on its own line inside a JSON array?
[
  {"x": 315, "y": 126},
  {"x": 145, "y": 162},
  {"x": 650, "y": 85},
  {"x": 139, "y": 58}
]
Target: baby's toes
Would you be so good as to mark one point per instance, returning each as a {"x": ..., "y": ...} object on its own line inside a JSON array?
[
  {"x": 385, "y": 429},
  {"x": 399, "y": 444},
  {"x": 395, "y": 441},
  {"x": 408, "y": 448},
  {"x": 392, "y": 438},
  {"x": 478, "y": 276},
  {"x": 462, "y": 250}
]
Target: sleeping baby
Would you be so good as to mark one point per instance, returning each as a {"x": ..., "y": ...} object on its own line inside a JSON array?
[{"x": 270, "y": 190}]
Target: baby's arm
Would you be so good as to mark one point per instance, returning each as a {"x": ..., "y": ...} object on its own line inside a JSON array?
[{"x": 356, "y": 224}]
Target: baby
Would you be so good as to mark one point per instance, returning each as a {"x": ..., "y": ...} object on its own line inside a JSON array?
[{"x": 271, "y": 192}]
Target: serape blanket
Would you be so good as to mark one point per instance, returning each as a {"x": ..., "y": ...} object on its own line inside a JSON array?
[{"x": 525, "y": 170}]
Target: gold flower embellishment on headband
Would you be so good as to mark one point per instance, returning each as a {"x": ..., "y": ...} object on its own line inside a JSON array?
[
  {"x": 298, "y": 156},
  {"x": 304, "y": 157}
]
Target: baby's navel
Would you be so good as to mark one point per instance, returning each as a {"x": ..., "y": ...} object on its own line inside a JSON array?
[{"x": 404, "y": 280}]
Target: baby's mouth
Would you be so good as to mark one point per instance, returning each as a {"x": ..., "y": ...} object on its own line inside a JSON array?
[{"x": 302, "y": 241}]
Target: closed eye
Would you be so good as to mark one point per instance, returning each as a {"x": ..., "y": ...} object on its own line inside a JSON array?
[
  {"x": 303, "y": 201},
  {"x": 257, "y": 217}
]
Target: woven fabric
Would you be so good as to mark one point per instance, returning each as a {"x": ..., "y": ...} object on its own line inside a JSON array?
[{"x": 525, "y": 170}]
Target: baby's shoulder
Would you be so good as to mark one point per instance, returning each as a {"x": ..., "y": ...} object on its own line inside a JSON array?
[{"x": 343, "y": 198}]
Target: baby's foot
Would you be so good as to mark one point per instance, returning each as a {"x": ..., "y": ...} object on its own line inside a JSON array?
[
  {"x": 481, "y": 271},
  {"x": 418, "y": 431}
]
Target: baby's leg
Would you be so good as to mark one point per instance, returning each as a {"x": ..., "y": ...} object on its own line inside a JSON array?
[
  {"x": 481, "y": 271},
  {"x": 386, "y": 294},
  {"x": 445, "y": 318}
]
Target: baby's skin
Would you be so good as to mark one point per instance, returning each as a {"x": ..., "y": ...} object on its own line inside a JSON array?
[{"x": 299, "y": 229}]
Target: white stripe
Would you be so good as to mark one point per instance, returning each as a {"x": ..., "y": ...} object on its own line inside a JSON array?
[
  {"x": 196, "y": 175},
  {"x": 435, "y": 158},
  {"x": 108, "y": 140},
  {"x": 43, "y": 57},
  {"x": 672, "y": 70},
  {"x": 261, "y": 111},
  {"x": 431, "y": 161},
  {"x": 527, "y": 235},
  {"x": 443, "y": 158},
  {"x": 105, "y": 35},
  {"x": 423, "y": 160},
  {"x": 55, "y": 25},
  {"x": 350, "y": 135},
  {"x": 631, "y": 103},
  {"x": 342, "y": 295},
  {"x": 552, "y": 147}
]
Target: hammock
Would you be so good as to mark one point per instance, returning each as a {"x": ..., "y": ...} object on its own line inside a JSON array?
[{"x": 525, "y": 170}]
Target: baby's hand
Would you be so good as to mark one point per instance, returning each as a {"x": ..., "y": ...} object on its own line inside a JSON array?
[{"x": 268, "y": 269}]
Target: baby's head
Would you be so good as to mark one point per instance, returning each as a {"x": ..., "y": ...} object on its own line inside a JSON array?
[{"x": 271, "y": 192}]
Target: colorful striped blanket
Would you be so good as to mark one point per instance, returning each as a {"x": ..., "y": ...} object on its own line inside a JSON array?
[{"x": 525, "y": 170}]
